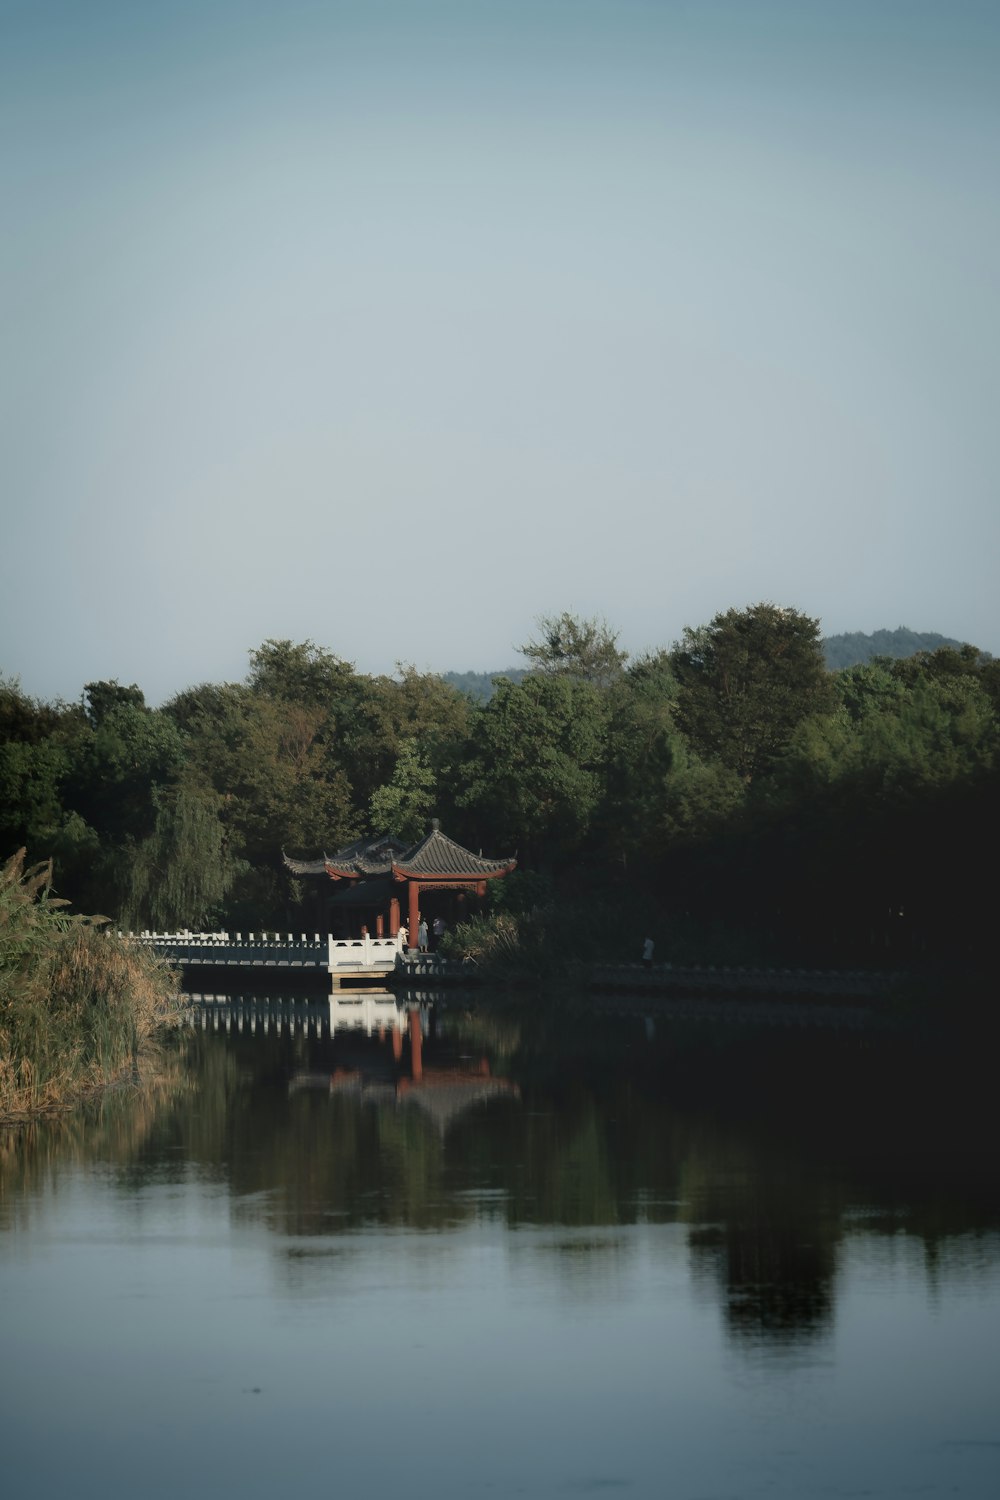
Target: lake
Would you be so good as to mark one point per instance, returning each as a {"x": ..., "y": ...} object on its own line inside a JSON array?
[{"x": 550, "y": 1250}]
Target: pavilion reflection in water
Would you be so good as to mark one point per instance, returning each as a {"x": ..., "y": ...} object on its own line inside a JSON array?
[{"x": 394, "y": 1069}]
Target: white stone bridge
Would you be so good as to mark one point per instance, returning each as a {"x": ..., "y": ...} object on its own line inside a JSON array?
[{"x": 342, "y": 958}]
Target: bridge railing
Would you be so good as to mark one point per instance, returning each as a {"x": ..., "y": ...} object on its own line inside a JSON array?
[
  {"x": 339, "y": 955},
  {"x": 376, "y": 953},
  {"x": 269, "y": 950},
  {"x": 185, "y": 938}
]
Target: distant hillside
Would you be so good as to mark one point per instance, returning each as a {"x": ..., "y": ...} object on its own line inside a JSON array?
[
  {"x": 479, "y": 685},
  {"x": 851, "y": 648},
  {"x": 846, "y": 650}
]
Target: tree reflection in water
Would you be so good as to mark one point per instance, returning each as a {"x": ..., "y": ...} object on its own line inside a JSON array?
[{"x": 770, "y": 1152}]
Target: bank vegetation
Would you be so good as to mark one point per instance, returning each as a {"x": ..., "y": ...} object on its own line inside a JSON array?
[{"x": 79, "y": 1007}]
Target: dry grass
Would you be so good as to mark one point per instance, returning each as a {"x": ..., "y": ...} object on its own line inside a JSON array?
[{"x": 77, "y": 1006}]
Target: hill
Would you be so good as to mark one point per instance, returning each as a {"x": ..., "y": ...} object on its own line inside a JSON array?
[
  {"x": 846, "y": 650},
  {"x": 853, "y": 647},
  {"x": 479, "y": 685}
]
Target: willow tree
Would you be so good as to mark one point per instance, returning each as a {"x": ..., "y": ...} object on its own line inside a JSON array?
[{"x": 181, "y": 873}]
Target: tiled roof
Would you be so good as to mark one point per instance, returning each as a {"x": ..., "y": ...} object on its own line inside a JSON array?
[
  {"x": 366, "y": 856},
  {"x": 305, "y": 866},
  {"x": 435, "y": 854},
  {"x": 439, "y": 855},
  {"x": 444, "y": 1097}
]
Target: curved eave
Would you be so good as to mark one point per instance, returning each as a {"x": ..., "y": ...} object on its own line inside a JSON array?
[
  {"x": 303, "y": 866},
  {"x": 466, "y": 877}
]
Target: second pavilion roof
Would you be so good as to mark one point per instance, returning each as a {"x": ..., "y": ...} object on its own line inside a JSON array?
[{"x": 435, "y": 855}]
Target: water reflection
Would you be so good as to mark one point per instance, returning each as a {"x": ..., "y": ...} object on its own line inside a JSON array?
[{"x": 767, "y": 1160}]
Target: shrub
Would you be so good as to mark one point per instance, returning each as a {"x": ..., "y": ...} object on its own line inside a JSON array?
[{"x": 77, "y": 1005}]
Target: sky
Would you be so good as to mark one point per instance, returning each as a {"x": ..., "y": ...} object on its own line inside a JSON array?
[{"x": 396, "y": 324}]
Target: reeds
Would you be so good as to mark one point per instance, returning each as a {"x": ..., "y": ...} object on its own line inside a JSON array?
[
  {"x": 526, "y": 949},
  {"x": 77, "y": 1005}
]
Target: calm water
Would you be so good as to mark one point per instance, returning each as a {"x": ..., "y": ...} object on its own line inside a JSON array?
[{"x": 479, "y": 1255}]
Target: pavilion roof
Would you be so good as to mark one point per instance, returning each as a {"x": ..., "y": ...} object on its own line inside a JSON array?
[
  {"x": 366, "y": 856},
  {"x": 433, "y": 855},
  {"x": 444, "y": 1094},
  {"x": 305, "y": 866},
  {"x": 437, "y": 854}
]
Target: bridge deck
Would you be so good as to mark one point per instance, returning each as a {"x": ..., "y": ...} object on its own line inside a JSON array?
[
  {"x": 342, "y": 958},
  {"x": 267, "y": 950}
]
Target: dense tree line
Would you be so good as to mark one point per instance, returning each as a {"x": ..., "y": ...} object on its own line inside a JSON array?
[
  {"x": 853, "y": 648},
  {"x": 850, "y": 649},
  {"x": 730, "y": 787}
]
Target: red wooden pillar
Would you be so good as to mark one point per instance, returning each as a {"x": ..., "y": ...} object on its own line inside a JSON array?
[
  {"x": 380, "y": 925},
  {"x": 393, "y": 916},
  {"x": 413, "y": 887},
  {"x": 416, "y": 1047},
  {"x": 397, "y": 1043}
]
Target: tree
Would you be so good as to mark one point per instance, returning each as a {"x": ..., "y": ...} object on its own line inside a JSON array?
[
  {"x": 274, "y": 764},
  {"x": 131, "y": 751},
  {"x": 571, "y": 647},
  {"x": 182, "y": 872},
  {"x": 534, "y": 773},
  {"x": 103, "y": 698},
  {"x": 659, "y": 791},
  {"x": 302, "y": 673},
  {"x": 33, "y": 763},
  {"x": 30, "y": 785},
  {"x": 745, "y": 681},
  {"x": 404, "y": 805}
]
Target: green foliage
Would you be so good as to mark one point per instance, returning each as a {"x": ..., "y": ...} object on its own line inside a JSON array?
[
  {"x": 479, "y": 686},
  {"x": 34, "y": 761},
  {"x": 571, "y": 647},
  {"x": 405, "y": 804},
  {"x": 533, "y": 778},
  {"x": 485, "y": 940},
  {"x": 745, "y": 681},
  {"x": 896, "y": 733},
  {"x": 23, "y": 720},
  {"x": 853, "y": 648},
  {"x": 658, "y": 789},
  {"x": 274, "y": 767},
  {"x": 731, "y": 782},
  {"x": 180, "y": 875},
  {"x": 520, "y": 893},
  {"x": 105, "y": 698},
  {"x": 302, "y": 674},
  {"x": 31, "y": 778},
  {"x": 76, "y": 1005},
  {"x": 116, "y": 766}
]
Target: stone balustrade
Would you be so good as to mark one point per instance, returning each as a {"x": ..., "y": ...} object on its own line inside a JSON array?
[{"x": 352, "y": 956}]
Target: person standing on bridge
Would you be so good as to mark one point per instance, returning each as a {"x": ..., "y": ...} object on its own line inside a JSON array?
[{"x": 422, "y": 935}]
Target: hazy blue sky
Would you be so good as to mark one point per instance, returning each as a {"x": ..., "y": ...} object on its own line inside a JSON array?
[{"x": 393, "y": 326}]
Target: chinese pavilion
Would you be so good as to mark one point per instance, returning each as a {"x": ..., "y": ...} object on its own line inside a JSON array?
[{"x": 380, "y": 877}]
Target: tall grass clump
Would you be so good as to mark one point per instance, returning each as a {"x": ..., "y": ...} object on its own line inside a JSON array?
[
  {"x": 77, "y": 1006},
  {"x": 536, "y": 948}
]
